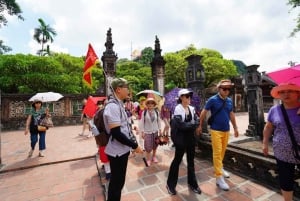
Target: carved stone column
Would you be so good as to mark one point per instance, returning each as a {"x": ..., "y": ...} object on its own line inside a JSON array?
[
  {"x": 255, "y": 101},
  {"x": 109, "y": 59},
  {"x": 195, "y": 77},
  {"x": 158, "y": 68}
]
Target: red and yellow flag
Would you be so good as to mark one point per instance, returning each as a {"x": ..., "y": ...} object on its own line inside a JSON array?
[{"x": 90, "y": 61}]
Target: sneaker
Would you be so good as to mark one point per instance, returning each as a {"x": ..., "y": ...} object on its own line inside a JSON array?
[
  {"x": 154, "y": 159},
  {"x": 171, "y": 191},
  {"x": 148, "y": 162},
  {"x": 195, "y": 189},
  {"x": 222, "y": 184},
  {"x": 225, "y": 173},
  {"x": 41, "y": 154},
  {"x": 30, "y": 153}
]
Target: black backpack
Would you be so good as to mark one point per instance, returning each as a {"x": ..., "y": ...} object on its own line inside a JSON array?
[{"x": 103, "y": 137}]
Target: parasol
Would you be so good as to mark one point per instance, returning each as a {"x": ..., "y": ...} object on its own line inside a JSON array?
[
  {"x": 172, "y": 96},
  {"x": 286, "y": 75},
  {"x": 46, "y": 96},
  {"x": 155, "y": 94}
]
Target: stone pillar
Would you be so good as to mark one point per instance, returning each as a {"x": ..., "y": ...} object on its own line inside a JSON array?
[
  {"x": 158, "y": 69},
  {"x": 195, "y": 77},
  {"x": 109, "y": 59},
  {"x": 255, "y": 102}
]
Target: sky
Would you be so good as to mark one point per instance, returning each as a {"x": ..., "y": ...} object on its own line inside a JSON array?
[{"x": 253, "y": 31}]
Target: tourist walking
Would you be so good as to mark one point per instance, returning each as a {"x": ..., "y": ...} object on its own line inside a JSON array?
[
  {"x": 34, "y": 118},
  {"x": 150, "y": 128},
  {"x": 121, "y": 140},
  {"x": 221, "y": 109},
  {"x": 84, "y": 119},
  {"x": 283, "y": 124},
  {"x": 183, "y": 128}
]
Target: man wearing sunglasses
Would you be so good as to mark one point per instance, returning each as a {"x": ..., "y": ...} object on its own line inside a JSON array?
[{"x": 221, "y": 108}]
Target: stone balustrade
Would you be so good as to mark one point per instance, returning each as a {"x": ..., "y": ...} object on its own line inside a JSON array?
[{"x": 245, "y": 161}]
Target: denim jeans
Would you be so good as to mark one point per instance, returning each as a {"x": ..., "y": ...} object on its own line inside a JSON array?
[{"x": 34, "y": 139}]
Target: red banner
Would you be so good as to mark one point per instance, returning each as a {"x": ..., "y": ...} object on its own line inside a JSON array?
[{"x": 90, "y": 61}]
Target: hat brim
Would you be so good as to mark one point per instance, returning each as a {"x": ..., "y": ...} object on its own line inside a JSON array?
[
  {"x": 150, "y": 100},
  {"x": 275, "y": 91},
  {"x": 187, "y": 92}
]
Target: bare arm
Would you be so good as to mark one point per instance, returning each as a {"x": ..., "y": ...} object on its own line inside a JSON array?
[
  {"x": 233, "y": 122},
  {"x": 201, "y": 120},
  {"x": 27, "y": 124},
  {"x": 267, "y": 132}
]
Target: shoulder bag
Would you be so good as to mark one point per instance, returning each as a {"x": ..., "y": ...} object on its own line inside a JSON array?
[
  {"x": 291, "y": 133},
  {"x": 210, "y": 119}
]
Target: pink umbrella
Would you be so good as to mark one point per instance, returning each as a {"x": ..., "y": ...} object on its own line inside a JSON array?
[{"x": 286, "y": 75}]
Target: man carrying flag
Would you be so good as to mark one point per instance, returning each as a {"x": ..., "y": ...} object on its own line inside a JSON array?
[{"x": 90, "y": 61}]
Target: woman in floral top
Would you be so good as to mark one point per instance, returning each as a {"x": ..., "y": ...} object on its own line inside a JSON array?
[{"x": 289, "y": 95}]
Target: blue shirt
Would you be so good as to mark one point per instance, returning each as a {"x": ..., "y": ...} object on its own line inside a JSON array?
[{"x": 221, "y": 119}]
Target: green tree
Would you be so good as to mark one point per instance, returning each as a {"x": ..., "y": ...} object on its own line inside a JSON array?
[
  {"x": 44, "y": 34},
  {"x": 295, "y": 4},
  {"x": 146, "y": 56},
  {"x": 4, "y": 48},
  {"x": 12, "y": 8},
  {"x": 136, "y": 73},
  {"x": 216, "y": 67},
  {"x": 175, "y": 69}
]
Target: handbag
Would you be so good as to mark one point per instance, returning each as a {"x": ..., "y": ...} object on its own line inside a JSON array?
[
  {"x": 46, "y": 121},
  {"x": 41, "y": 128},
  {"x": 296, "y": 147},
  {"x": 210, "y": 119}
]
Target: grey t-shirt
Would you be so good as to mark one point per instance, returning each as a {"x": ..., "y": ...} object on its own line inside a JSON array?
[{"x": 115, "y": 114}]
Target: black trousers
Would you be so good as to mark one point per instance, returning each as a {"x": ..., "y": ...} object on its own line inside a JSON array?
[
  {"x": 118, "y": 167},
  {"x": 189, "y": 148}
]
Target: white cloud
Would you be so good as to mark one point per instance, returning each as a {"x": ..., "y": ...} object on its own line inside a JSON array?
[{"x": 253, "y": 31}]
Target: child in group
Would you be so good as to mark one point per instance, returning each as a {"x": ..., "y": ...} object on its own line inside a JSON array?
[
  {"x": 150, "y": 127},
  {"x": 101, "y": 141}
]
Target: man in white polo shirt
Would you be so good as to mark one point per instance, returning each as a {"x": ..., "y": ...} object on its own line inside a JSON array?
[{"x": 121, "y": 140}]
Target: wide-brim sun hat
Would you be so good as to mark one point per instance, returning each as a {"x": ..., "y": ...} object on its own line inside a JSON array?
[
  {"x": 150, "y": 100},
  {"x": 284, "y": 87},
  {"x": 225, "y": 83},
  {"x": 184, "y": 91}
]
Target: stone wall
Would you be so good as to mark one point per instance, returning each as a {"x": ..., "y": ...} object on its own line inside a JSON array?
[{"x": 16, "y": 107}]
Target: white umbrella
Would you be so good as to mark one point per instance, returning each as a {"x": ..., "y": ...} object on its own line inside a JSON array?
[{"x": 46, "y": 96}]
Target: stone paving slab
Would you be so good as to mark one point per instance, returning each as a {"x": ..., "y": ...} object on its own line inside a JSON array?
[{"x": 69, "y": 171}]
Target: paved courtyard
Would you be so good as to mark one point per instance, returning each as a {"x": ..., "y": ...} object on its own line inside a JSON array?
[{"x": 71, "y": 171}]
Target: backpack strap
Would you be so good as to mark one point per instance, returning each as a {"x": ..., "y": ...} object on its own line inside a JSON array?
[{"x": 145, "y": 112}]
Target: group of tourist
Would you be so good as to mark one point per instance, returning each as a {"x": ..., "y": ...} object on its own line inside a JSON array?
[{"x": 282, "y": 125}]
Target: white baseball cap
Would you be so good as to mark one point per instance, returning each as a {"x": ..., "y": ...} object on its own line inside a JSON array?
[{"x": 184, "y": 91}]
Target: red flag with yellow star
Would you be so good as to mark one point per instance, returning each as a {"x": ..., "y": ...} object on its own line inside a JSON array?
[{"x": 91, "y": 60}]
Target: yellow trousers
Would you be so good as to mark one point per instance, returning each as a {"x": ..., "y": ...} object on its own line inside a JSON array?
[{"x": 219, "y": 140}]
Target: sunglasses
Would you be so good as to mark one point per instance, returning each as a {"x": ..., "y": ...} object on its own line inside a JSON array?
[
  {"x": 225, "y": 89},
  {"x": 186, "y": 95}
]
